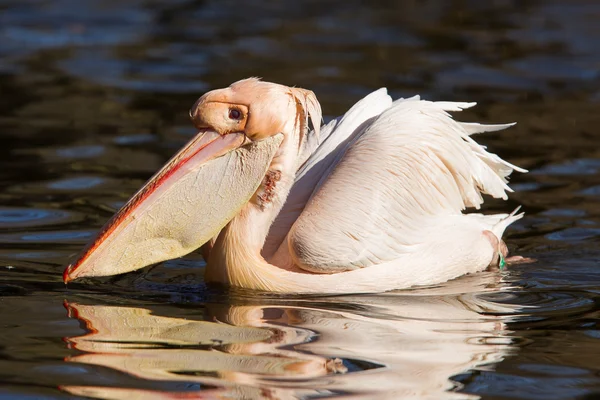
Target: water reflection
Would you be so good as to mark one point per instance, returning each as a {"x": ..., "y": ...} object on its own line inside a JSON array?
[{"x": 389, "y": 345}]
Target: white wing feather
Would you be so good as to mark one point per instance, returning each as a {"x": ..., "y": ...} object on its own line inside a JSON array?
[
  {"x": 318, "y": 159},
  {"x": 399, "y": 190}
]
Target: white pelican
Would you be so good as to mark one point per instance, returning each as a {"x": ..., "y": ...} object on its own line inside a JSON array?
[{"x": 372, "y": 201}]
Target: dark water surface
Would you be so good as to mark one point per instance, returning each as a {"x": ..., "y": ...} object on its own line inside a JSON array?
[{"x": 94, "y": 98}]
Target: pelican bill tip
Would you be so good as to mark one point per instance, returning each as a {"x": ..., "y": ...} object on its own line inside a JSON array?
[{"x": 66, "y": 274}]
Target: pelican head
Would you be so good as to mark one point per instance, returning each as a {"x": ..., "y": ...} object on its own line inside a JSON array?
[{"x": 245, "y": 132}]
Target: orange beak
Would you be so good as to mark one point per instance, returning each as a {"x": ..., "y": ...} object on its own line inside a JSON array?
[{"x": 185, "y": 204}]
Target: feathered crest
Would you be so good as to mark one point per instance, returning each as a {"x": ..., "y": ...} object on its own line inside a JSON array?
[{"x": 311, "y": 108}]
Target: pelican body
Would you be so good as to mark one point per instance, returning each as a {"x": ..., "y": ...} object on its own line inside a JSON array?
[{"x": 372, "y": 201}]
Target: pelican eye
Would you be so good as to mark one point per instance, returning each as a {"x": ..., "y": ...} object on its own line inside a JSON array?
[{"x": 234, "y": 113}]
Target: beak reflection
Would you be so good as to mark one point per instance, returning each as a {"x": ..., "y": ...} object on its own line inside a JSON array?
[{"x": 411, "y": 345}]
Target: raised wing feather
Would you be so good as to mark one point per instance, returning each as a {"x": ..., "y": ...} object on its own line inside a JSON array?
[
  {"x": 409, "y": 175},
  {"x": 319, "y": 155}
]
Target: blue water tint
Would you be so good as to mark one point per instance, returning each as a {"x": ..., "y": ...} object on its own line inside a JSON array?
[
  {"x": 574, "y": 167},
  {"x": 117, "y": 204},
  {"x": 57, "y": 237},
  {"x": 90, "y": 151},
  {"x": 549, "y": 68},
  {"x": 550, "y": 29},
  {"x": 521, "y": 387},
  {"x": 563, "y": 212},
  {"x": 77, "y": 183},
  {"x": 12, "y": 217},
  {"x": 575, "y": 234},
  {"x": 134, "y": 139},
  {"x": 553, "y": 370},
  {"x": 35, "y": 255},
  {"x": 526, "y": 186},
  {"x": 591, "y": 191},
  {"x": 186, "y": 130},
  {"x": 63, "y": 368},
  {"x": 594, "y": 333},
  {"x": 21, "y": 394},
  {"x": 482, "y": 77},
  {"x": 146, "y": 74},
  {"x": 69, "y": 36},
  {"x": 28, "y": 27}
]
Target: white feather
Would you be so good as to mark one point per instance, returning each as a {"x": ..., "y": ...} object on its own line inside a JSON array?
[
  {"x": 320, "y": 158},
  {"x": 407, "y": 176}
]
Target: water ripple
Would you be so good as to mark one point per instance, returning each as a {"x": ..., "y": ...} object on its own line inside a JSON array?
[
  {"x": 77, "y": 183},
  {"x": 535, "y": 307},
  {"x": 591, "y": 191},
  {"x": 134, "y": 139},
  {"x": 54, "y": 237},
  {"x": 90, "y": 151},
  {"x": 13, "y": 217},
  {"x": 574, "y": 234},
  {"x": 575, "y": 167}
]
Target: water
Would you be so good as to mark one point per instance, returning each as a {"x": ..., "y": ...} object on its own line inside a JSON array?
[{"x": 94, "y": 99}]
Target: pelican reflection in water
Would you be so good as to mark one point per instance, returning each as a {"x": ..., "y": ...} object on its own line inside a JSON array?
[{"x": 393, "y": 345}]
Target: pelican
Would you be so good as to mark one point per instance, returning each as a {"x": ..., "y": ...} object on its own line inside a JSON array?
[{"x": 373, "y": 201}]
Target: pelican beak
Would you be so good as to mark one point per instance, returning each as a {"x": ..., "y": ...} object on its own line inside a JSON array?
[{"x": 182, "y": 206}]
